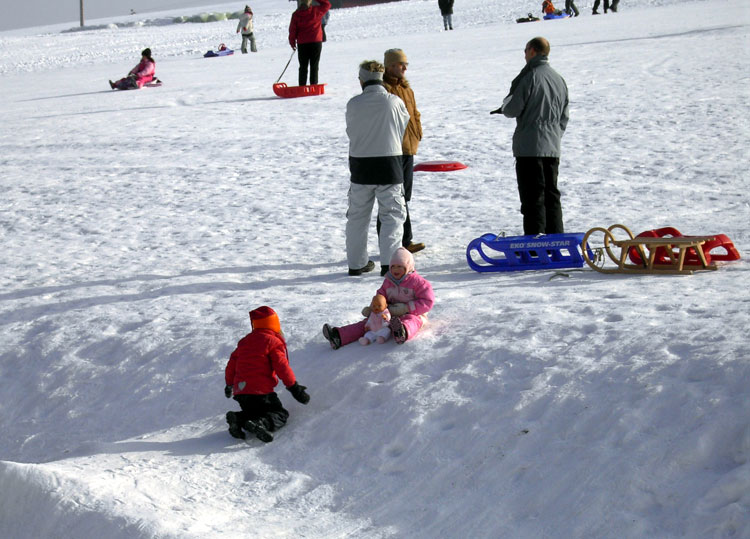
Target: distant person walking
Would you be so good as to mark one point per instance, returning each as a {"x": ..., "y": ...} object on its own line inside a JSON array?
[
  {"x": 446, "y": 10},
  {"x": 375, "y": 123},
  {"x": 246, "y": 27},
  {"x": 571, "y": 9},
  {"x": 306, "y": 37},
  {"x": 139, "y": 75},
  {"x": 396, "y": 64},
  {"x": 538, "y": 100}
]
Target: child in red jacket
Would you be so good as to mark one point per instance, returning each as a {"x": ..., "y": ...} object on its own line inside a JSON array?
[{"x": 252, "y": 373}]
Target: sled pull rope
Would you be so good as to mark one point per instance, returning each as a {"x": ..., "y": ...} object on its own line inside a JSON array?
[{"x": 287, "y": 65}]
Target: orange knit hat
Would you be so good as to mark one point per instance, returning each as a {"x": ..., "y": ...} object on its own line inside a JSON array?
[{"x": 265, "y": 318}]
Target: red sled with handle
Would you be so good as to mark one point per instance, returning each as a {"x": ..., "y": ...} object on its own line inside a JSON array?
[{"x": 282, "y": 90}]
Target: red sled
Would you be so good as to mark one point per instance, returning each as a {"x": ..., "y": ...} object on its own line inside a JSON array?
[
  {"x": 439, "y": 166},
  {"x": 282, "y": 90}
]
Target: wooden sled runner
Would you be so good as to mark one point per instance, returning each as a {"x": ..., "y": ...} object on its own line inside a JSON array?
[{"x": 653, "y": 253}]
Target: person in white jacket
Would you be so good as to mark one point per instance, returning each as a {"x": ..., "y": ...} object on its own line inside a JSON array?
[
  {"x": 375, "y": 123},
  {"x": 246, "y": 26}
]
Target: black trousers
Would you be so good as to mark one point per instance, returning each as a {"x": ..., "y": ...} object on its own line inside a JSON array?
[
  {"x": 407, "y": 162},
  {"x": 266, "y": 408},
  {"x": 606, "y": 5},
  {"x": 540, "y": 199},
  {"x": 309, "y": 55}
]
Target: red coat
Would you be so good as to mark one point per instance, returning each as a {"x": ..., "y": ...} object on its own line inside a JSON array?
[
  {"x": 255, "y": 366},
  {"x": 305, "y": 24}
]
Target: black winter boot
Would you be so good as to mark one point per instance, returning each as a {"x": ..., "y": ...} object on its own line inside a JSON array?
[{"x": 234, "y": 427}]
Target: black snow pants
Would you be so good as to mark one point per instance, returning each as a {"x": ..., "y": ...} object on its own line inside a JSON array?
[
  {"x": 266, "y": 408},
  {"x": 540, "y": 198}
]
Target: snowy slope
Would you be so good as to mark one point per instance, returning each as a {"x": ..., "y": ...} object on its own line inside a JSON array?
[{"x": 138, "y": 228}]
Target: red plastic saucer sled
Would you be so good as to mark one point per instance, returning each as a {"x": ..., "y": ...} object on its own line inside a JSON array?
[
  {"x": 282, "y": 90},
  {"x": 439, "y": 166}
]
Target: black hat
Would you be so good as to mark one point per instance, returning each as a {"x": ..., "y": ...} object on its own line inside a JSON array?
[{"x": 146, "y": 52}]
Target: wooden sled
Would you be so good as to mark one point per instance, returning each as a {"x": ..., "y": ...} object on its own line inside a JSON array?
[
  {"x": 675, "y": 248},
  {"x": 719, "y": 248}
]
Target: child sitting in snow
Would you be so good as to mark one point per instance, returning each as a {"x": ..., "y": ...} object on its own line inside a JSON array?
[
  {"x": 376, "y": 326},
  {"x": 409, "y": 297},
  {"x": 253, "y": 371},
  {"x": 139, "y": 75}
]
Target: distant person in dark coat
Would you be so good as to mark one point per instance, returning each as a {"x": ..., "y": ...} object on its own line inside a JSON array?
[
  {"x": 538, "y": 100},
  {"x": 446, "y": 10}
]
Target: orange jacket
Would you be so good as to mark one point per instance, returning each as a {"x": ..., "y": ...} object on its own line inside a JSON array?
[{"x": 413, "y": 134}]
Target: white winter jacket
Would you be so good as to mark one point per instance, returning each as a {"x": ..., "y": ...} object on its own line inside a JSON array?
[
  {"x": 375, "y": 123},
  {"x": 246, "y": 23}
]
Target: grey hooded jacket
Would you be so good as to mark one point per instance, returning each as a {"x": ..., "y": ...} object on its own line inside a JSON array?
[{"x": 539, "y": 103}]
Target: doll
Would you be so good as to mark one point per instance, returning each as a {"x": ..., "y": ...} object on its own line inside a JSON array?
[{"x": 377, "y": 326}]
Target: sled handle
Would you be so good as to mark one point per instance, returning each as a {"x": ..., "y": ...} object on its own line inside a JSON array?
[{"x": 287, "y": 65}]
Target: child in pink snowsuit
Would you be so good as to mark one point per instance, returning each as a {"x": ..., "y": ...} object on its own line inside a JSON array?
[
  {"x": 139, "y": 75},
  {"x": 409, "y": 296},
  {"x": 377, "y": 327}
]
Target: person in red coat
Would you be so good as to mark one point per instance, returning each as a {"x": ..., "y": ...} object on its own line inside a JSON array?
[
  {"x": 306, "y": 36},
  {"x": 252, "y": 373}
]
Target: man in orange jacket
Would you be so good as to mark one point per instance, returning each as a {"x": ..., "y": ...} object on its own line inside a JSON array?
[{"x": 396, "y": 64}]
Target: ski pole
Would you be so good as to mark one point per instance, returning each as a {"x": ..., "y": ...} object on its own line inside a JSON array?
[{"x": 287, "y": 65}]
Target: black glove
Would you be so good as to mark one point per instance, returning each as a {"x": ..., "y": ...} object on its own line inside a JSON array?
[
  {"x": 497, "y": 111},
  {"x": 299, "y": 394},
  {"x": 228, "y": 391}
]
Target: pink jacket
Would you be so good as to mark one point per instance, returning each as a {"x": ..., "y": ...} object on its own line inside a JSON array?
[
  {"x": 414, "y": 290},
  {"x": 144, "y": 72}
]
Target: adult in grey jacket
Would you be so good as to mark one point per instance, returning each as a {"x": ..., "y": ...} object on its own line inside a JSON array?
[
  {"x": 538, "y": 100},
  {"x": 375, "y": 123}
]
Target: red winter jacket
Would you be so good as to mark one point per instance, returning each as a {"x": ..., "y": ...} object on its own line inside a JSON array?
[
  {"x": 255, "y": 366},
  {"x": 305, "y": 24}
]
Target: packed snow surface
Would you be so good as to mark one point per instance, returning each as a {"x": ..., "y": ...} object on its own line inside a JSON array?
[{"x": 139, "y": 228}]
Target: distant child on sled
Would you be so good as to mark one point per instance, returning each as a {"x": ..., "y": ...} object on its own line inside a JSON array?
[
  {"x": 139, "y": 75},
  {"x": 252, "y": 373},
  {"x": 409, "y": 297}
]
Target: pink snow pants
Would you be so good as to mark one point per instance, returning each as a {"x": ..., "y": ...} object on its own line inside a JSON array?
[{"x": 353, "y": 332}]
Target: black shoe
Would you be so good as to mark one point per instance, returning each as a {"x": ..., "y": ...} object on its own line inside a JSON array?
[
  {"x": 384, "y": 270},
  {"x": 256, "y": 427},
  {"x": 414, "y": 247},
  {"x": 595, "y": 13},
  {"x": 398, "y": 330},
  {"x": 369, "y": 267},
  {"x": 234, "y": 427},
  {"x": 332, "y": 336},
  {"x": 112, "y": 85}
]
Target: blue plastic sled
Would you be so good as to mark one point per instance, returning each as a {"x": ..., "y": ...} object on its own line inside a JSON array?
[
  {"x": 551, "y": 16},
  {"x": 516, "y": 253},
  {"x": 225, "y": 52}
]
